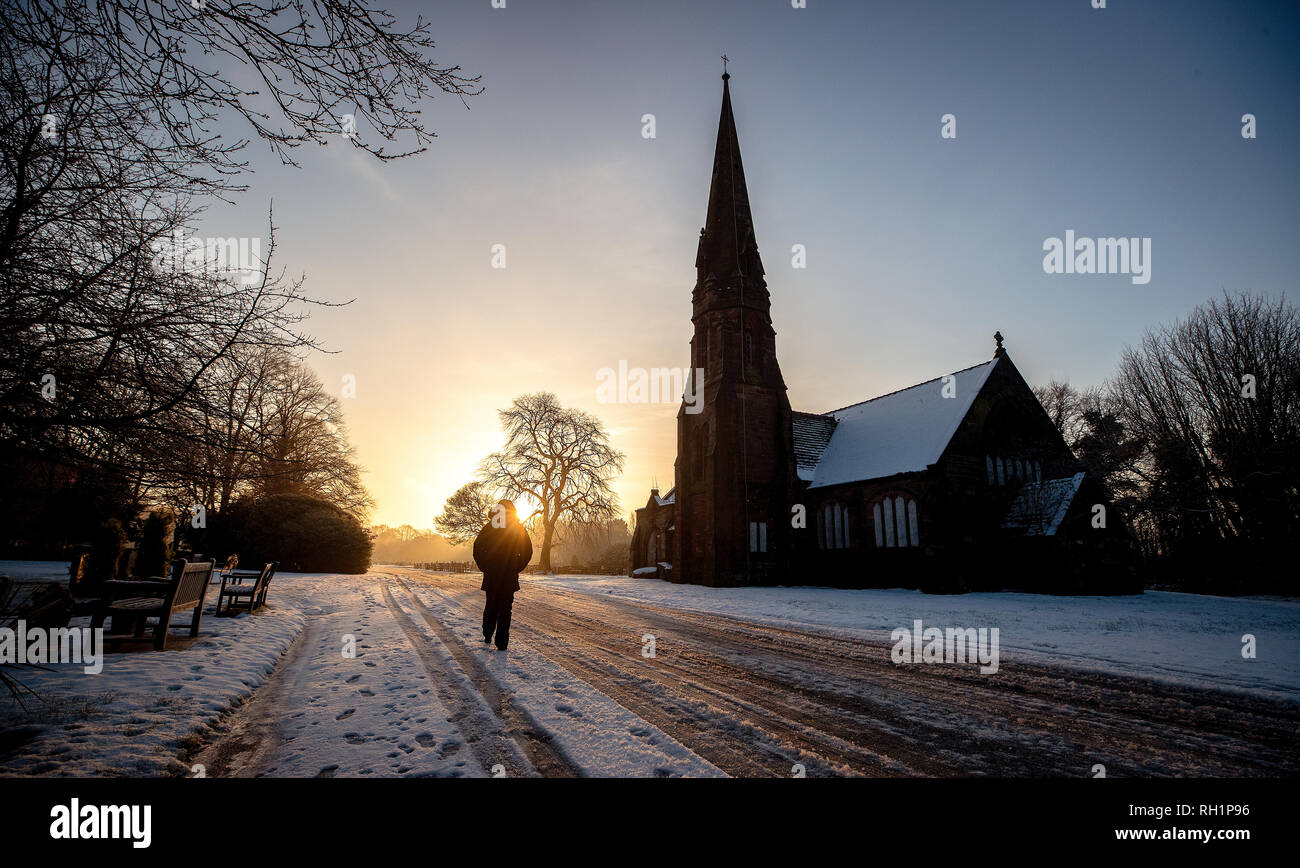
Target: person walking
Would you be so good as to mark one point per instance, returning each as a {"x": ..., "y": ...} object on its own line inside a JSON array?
[{"x": 501, "y": 549}]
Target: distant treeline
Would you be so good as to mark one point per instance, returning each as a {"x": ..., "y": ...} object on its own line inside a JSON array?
[
  {"x": 407, "y": 545},
  {"x": 582, "y": 545}
]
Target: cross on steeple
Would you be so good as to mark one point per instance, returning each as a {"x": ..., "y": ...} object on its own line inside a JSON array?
[{"x": 725, "y": 61}]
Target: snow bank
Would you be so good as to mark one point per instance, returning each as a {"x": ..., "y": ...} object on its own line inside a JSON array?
[{"x": 137, "y": 715}]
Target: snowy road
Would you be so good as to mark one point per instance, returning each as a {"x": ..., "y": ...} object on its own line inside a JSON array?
[{"x": 721, "y": 695}]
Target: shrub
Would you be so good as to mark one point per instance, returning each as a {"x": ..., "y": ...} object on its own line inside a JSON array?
[
  {"x": 303, "y": 533},
  {"x": 106, "y": 551},
  {"x": 155, "y": 552}
]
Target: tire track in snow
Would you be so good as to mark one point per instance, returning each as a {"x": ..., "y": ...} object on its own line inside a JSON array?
[
  {"x": 1142, "y": 727},
  {"x": 508, "y": 720},
  {"x": 737, "y": 734},
  {"x": 1030, "y": 719},
  {"x": 484, "y": 734}
]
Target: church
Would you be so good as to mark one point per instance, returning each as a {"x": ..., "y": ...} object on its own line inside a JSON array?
[{"x": 958, "y": 483}]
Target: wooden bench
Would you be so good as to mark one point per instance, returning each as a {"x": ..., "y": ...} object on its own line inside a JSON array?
[
  {"x": 234, "y": 589},
  {"x": 161, "y": 598}
]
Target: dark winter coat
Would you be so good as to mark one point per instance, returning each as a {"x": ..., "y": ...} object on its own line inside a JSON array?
[{"x": 501, "y": 552}]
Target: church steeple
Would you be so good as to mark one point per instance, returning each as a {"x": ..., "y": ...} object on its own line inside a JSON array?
[
  {"x": 727, "y": 246},
  {"x": 735, "y": 471}
]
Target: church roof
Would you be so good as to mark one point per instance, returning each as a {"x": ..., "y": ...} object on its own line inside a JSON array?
[
  {"x": 900, "y": 432},
  {"x": 1040, "y": 507},
  {"x": 658, "y": 500},
  {"x": 812, "y": 433}
]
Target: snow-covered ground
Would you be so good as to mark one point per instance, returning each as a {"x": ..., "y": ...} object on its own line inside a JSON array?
[
  {"x": 1181, "y": 638},
  {"x": 422, "y": 696},
  {"x": 401, "y": 705},
  {"x": 597, "y": 734},
  {"x": 137, "y": 714}
]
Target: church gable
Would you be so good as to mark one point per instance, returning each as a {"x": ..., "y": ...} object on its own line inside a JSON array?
[{"x": 1006, "y": 436}]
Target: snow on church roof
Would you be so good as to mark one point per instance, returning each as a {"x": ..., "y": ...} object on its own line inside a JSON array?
[
  {"x": 1040, "y": 507},
  {"x": 897, "y": 433},
  {"x": 812, "y": 433}
]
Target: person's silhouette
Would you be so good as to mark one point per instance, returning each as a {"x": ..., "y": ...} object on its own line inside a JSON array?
[{"x": 501, "y": 550}]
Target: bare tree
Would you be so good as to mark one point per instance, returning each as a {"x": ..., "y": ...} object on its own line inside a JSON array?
[
  {"x": 1058, "y": 399},
  {"x": 115, "y": 120},
  {"x": 290, "y": 70},
  {"x": 1216, "y": 400},
  {"x": 109, "y": 116},
  {"x": 263, "y": 424},
  {"x": 304, "y": 446},
  {"x": 558, "y": 457},
  {"x": 1088, "y": 420},
  {"x": 465, "y": 513}
]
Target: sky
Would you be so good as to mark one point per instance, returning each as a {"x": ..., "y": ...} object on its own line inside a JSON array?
[{"x": 1123, "y": 121}]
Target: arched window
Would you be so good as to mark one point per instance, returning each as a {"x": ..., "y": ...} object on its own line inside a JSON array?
[
  {"x": 897, "y": 522},
  {"x": 834, "y": 526},
  {"x": 1002, "y": 477},
  {"x": 1038, "y": 471},
  {"x": 993, "y": 476}
]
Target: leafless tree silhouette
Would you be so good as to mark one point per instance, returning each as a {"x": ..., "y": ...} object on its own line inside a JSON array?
[
  {"x": 465, "y": 513},
  {"x": 560, "y": 458}
]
